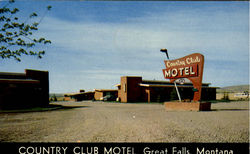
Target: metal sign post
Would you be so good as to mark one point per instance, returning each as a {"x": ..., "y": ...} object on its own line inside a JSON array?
[
  {"x": 177, "y": 91},
  {"x": 166, "y": 51}
]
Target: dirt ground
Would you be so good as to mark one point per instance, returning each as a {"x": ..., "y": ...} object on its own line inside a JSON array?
[{"x": 120, "y": 122}]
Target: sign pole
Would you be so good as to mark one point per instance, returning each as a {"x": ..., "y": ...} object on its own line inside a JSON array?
[
  {"x": 177, "y": 91},
  {"x": 166, "y": 51}
]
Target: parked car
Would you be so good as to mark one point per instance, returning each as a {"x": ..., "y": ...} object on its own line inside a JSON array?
[{"x": 109, "y": 98}]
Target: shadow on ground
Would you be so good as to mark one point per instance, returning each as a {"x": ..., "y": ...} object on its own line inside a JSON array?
[
  {"x": 51, "y": 107},
  {"x": 70, "y": 107},
  {"x": 229, "y": 109}
]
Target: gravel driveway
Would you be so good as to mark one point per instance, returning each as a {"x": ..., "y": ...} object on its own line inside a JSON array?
[{"x": 121, "y": 122}]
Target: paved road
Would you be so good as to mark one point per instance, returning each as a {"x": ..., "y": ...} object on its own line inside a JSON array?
[{"x": 117, "y": 122}]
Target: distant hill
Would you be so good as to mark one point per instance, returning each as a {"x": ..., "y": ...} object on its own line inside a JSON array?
[{"x": 238, "y": 88}]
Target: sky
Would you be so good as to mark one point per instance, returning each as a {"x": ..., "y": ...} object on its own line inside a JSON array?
[{"x": 95, "y": 43}]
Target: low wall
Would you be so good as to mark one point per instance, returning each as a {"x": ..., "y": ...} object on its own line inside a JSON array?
[{"x": 187, "y": 106}]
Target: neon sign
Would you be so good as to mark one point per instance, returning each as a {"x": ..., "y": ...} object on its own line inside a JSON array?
[{"x": 190, "y": 67}]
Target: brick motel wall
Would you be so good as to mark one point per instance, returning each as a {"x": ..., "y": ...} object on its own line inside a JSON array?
[
  {"x": 84, "y": 96},
  {"x": 24, "y": 90},
  {"x": 130, "y": 91},
  {"x": 183, "y": 106},
  {"x": 98, "y": 95}
]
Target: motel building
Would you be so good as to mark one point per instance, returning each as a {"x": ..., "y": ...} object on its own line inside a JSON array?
[
  {"x": 135, "y": 89},
  {"x": 96, "y": 95},
  {"x": 24, "y": 90}
]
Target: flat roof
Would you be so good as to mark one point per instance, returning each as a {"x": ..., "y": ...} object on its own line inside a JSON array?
[
  {"x": 78, "y": 93},
  {"x": 164, "y": 85},
  {"x": 36, "y": 70},
  {"x": 168, "y": 82},
  {"x": 102, "y": 90},
  {"x": 12, "y": 73},
  {"x": 19, "y": 81}
]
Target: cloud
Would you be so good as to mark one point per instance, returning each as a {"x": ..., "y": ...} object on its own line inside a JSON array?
[
  {"x": 94, "y": 54},
  {"x": 180, "y": 32}
]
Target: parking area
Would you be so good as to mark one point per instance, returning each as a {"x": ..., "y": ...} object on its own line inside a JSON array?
[{"x": 89, "y": 121}]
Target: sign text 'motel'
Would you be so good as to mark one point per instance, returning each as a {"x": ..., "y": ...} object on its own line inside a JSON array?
[
  {"x": 181, "y": 72},
  {"x": 190, "y": 67}
]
